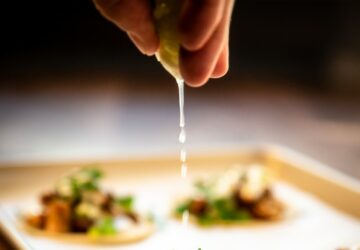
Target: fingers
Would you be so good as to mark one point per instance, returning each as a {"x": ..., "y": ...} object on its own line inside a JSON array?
[
  {"x": 198, "y": 22},
  {"x": 203, "y": 27},
  {"x": 141, "y": 44},
  {"x": 196, "y": 67},
  {"x": 134, "y": 17},
  {"x": 222, "y": 65},
  {"x": 211, "y": 60}
]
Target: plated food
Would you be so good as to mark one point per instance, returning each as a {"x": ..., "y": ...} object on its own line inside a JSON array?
[
  {"x": 239, "y": 195},
  {"x": 77, "y": 209}
]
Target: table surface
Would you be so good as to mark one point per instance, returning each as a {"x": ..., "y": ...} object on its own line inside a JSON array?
[{"x": 115, "y": 117}]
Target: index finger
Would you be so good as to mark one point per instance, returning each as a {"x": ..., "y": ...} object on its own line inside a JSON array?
[
  {"x": 134, "y": 17},
  {"x": 198, "y": 21}
]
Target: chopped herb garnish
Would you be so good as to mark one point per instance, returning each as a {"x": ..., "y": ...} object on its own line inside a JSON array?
[
  {"x": 182, "y": 207},
  {"x": 126, "y": 202},
  {"x": 105, "y": 226}
]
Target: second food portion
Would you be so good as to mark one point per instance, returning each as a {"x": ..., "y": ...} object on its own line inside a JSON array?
[{"x": 240, "y": 194}]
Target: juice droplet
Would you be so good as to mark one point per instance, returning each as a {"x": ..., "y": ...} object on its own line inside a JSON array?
[
  {"x": 180, "y": 83},
  {"x": 185, "y": 218},
  {"x": 184, "y": 170},
  {"x": 182, "y": 135},
  {"x": 183, "y": 155}
]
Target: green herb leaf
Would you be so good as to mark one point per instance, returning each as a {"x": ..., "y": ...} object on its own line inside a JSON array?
[
  {"x": 204, "y": 188},
  {"x": 126, "y": 202},
  {"x": 206, "y": 220},
  {"x": 72, "y": 186},
  {"x": 105, "y": 226},
  {"x": 93, "y": 172},
  {"x": 88, "y": 186},
  {"x": 182, "y": 208},
  {"x": 243, "y": 215}
]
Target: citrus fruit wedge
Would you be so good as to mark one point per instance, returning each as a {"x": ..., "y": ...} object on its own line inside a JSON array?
[{"x": 166, "y": 16}]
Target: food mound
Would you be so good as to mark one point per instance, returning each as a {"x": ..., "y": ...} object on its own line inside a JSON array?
[
  {"x": 77, "y": 205},
  {"x": 241, "y": 194}
]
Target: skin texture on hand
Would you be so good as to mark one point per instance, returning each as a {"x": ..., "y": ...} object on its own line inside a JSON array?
[{"x": 203, "y": 28}]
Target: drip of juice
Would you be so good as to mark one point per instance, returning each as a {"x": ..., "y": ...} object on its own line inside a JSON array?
[
  {"x": 180, "y": 83},
  {"x": 183, "y": 162},
  {"x": 183, "y": 170},
  {"x": 185, "y": 218},
  {"x": 182, "y": 135},
  {"x": 183, "y": 155},
  {"x": 182, "y": 140},
  {"x": 166, "y": 14}
]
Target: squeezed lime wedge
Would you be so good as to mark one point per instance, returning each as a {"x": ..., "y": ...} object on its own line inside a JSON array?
[{"x": 166, "y": 19}]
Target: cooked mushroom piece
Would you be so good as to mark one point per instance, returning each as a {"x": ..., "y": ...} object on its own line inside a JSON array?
[
  {"x": 268, "y": 208},
  {"x": 240, "y": 200},
  {"x": 47, "y": 198},
  {"x": 197, "y": 206},
  {"x": 81, "y": 224},
  {"x": 132, "y": 216}
]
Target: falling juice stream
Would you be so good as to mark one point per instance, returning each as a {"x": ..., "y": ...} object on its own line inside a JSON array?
[
  {"x": 182, "y": 135},
  {"x": 182, "y": 140}
]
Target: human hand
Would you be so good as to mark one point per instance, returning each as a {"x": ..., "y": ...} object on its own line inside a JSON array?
[{"x": 203, "y": 28}]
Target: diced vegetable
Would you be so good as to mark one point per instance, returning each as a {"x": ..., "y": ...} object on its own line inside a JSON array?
[
  {"x": 58, "y": 215},
  {"x": 88, "y": 210}
]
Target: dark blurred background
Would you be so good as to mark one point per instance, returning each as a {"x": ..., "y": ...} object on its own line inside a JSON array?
[
  {"x": 73, "y": 85},
  {"x": 314, "y": 42}
]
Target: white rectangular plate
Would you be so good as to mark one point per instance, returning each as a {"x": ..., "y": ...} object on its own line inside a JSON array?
[{"x": 319, "y": 220}]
